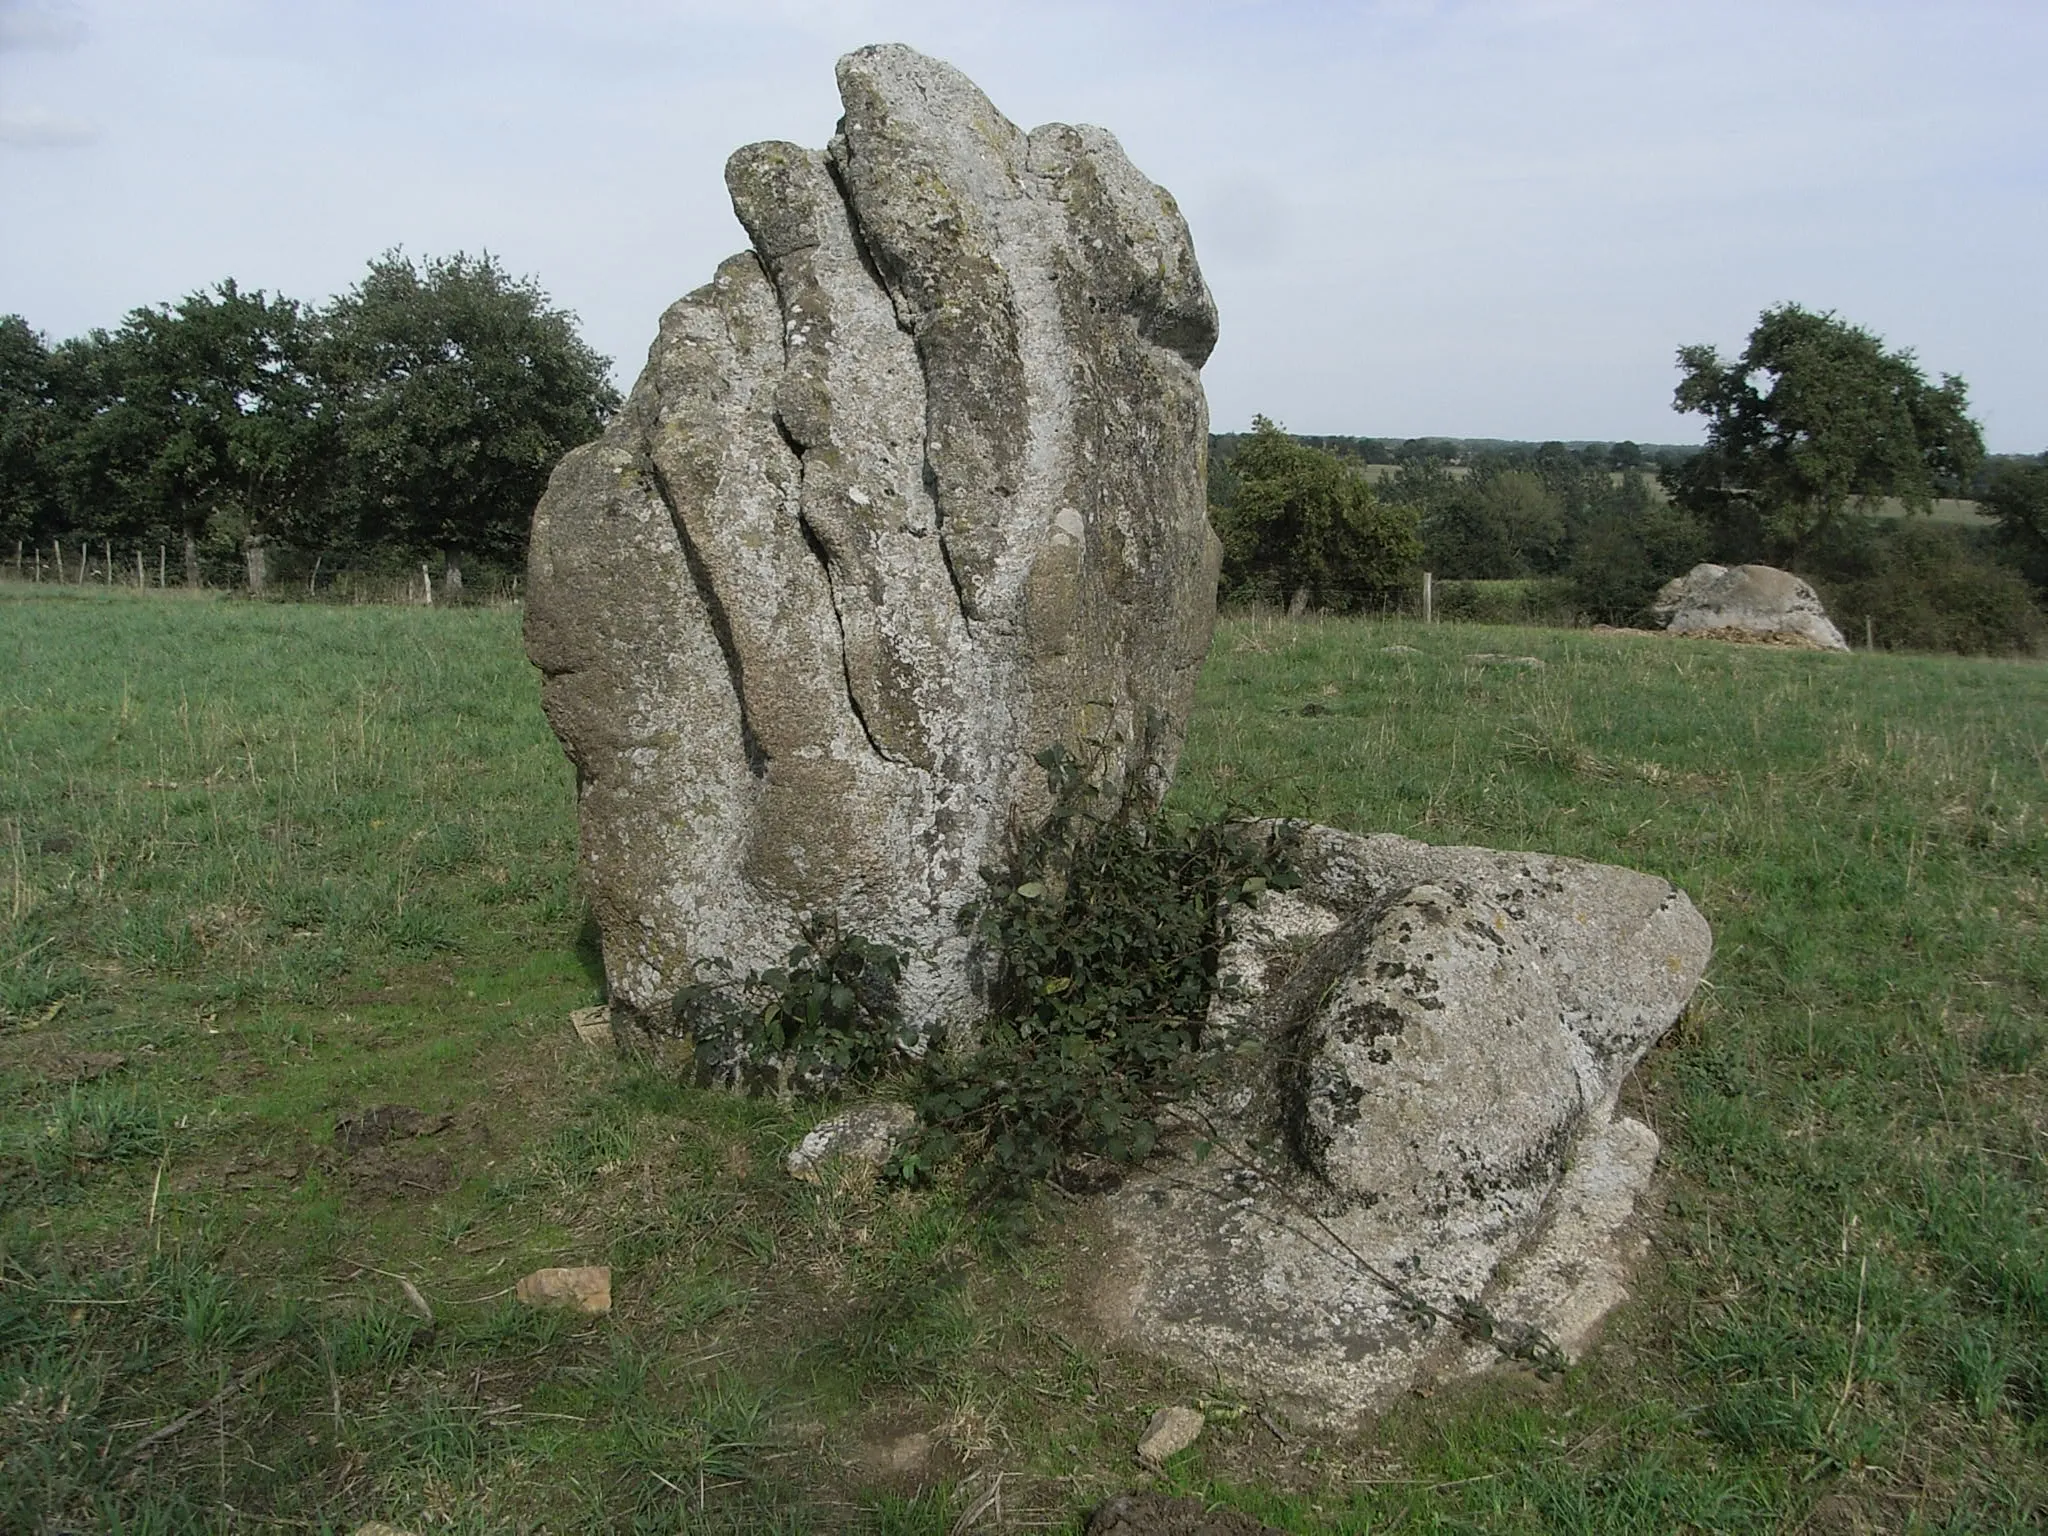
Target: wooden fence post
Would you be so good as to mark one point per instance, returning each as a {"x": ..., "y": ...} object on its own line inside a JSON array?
[
  {"x": 59, "y": 548},
  {"x": 1869, "y": 634},
  {"x": 159, "y": 567},
  {"x": 1428, "y": 597}
]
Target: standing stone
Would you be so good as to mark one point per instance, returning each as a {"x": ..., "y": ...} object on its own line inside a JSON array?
[{"x": 907, "y": 493}]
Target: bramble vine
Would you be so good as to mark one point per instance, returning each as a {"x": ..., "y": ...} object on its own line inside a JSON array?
[{"x": 1104, "y": 933}]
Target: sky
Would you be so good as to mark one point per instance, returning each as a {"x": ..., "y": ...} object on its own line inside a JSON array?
[{"x": 1465, "y": 218}]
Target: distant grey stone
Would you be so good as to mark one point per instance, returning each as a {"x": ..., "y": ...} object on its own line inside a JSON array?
[
  {"x": 865, "y": 1134},
  {"x": 907, "y": 493},
  {"x": 1756, "y": 603},
  {"x": 1427, "y": 1047}
]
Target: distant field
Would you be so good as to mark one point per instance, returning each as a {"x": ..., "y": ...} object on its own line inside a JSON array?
[{"x": 264, "y": 868}]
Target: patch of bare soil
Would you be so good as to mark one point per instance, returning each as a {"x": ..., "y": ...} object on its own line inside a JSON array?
[
  {"x": 903, "y": 1452},
  {"x": 384, "y": 1123},
  {"x": 49, "y": 1059},
  {"x": 1154, "y": 1514},
  {"x": 394, "y": 1151}
]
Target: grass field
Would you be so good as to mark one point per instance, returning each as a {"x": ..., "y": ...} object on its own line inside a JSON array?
[{"x": 268, "y": 868}]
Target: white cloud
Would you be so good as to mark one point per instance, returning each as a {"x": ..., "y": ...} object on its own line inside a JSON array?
[{"x": 39, "y": 128}]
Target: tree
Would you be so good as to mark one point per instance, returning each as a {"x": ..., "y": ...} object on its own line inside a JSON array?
[
  {"x": 27, "y": 495},
  {"x": 1305, "y": 528},
  {"x": 2018, "y": 497},
  {"x": 190, "y": 413},
  {"x": 1815, "y": 416},
  {"x": 457, "y": 387},
  {"x": 1628, "y": 548}
]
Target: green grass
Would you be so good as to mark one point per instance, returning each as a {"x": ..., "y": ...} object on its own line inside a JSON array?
[{"x": 264, "y": 867}]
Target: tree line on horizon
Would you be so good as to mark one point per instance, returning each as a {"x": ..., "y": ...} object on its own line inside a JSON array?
[
  {"x": 414, "y": 417},
  {"x": 1817, "y": 436}
]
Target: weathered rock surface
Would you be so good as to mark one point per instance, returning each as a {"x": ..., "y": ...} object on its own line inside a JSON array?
[
  {"x": 865, "y": 1135},
  {"x": 908, "y": 492},
  {"x": 1430, "y": 1044},
  {"x": 1757, "y": 603},
  {"x": 1171, "y": 1430}
]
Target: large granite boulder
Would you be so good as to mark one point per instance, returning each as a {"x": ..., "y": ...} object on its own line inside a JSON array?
[
  {"x": 907, "y": 493},
  {"x": 1759, "y": 604},
  {"x": 1419, "y": 1142}
]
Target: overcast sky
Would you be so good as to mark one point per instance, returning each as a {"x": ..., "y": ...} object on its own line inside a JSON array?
[{"x": 1485, "y": 218}]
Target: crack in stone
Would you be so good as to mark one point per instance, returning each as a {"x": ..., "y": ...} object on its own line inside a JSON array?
[
  {"x": 841, "y": 149},
  {"x": 758, "y": 757}
]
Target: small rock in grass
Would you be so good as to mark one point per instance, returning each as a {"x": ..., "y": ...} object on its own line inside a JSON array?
[
  {"x": 1399, "y": 650},
  {"x": 1171, "y": 1431},
  {"x": 1496, "y": 659},
  {"x": 593, "y": 1025},
  {"x": 379, "y": 1528},
  {"x": 867, "y": 1133},
  {"x": 586, "y": 1288}
]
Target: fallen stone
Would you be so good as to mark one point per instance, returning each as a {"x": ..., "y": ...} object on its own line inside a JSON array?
[
  {"x": 1497, "y": 659},
  {"x": 1418, "y": 1140},
  {"x": 907, "y": 494},
  {"x": 585, "y": 1288},
  {"x": 1759, "y": 604},
  {"x": 1155, "y": 1514},
  {"x": 867, "y": 1134},
  {"x": 1171, "y": 1431},
  {"x": 379, "y": 1528}
]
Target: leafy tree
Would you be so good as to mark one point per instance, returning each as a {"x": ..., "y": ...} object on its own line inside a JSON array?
[
  {"x": 1929, "y": 586},
  {"x": 456, "y": 387},
  {"x": 1628, "y": 549},
  {"x": 1306, "y": 529},
  {"x": 27, "y": 494},
  {"x": 2018, "y": 497},
  {"x": 1813, "y": 417},
  {"x": 190, "y": 413}
]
